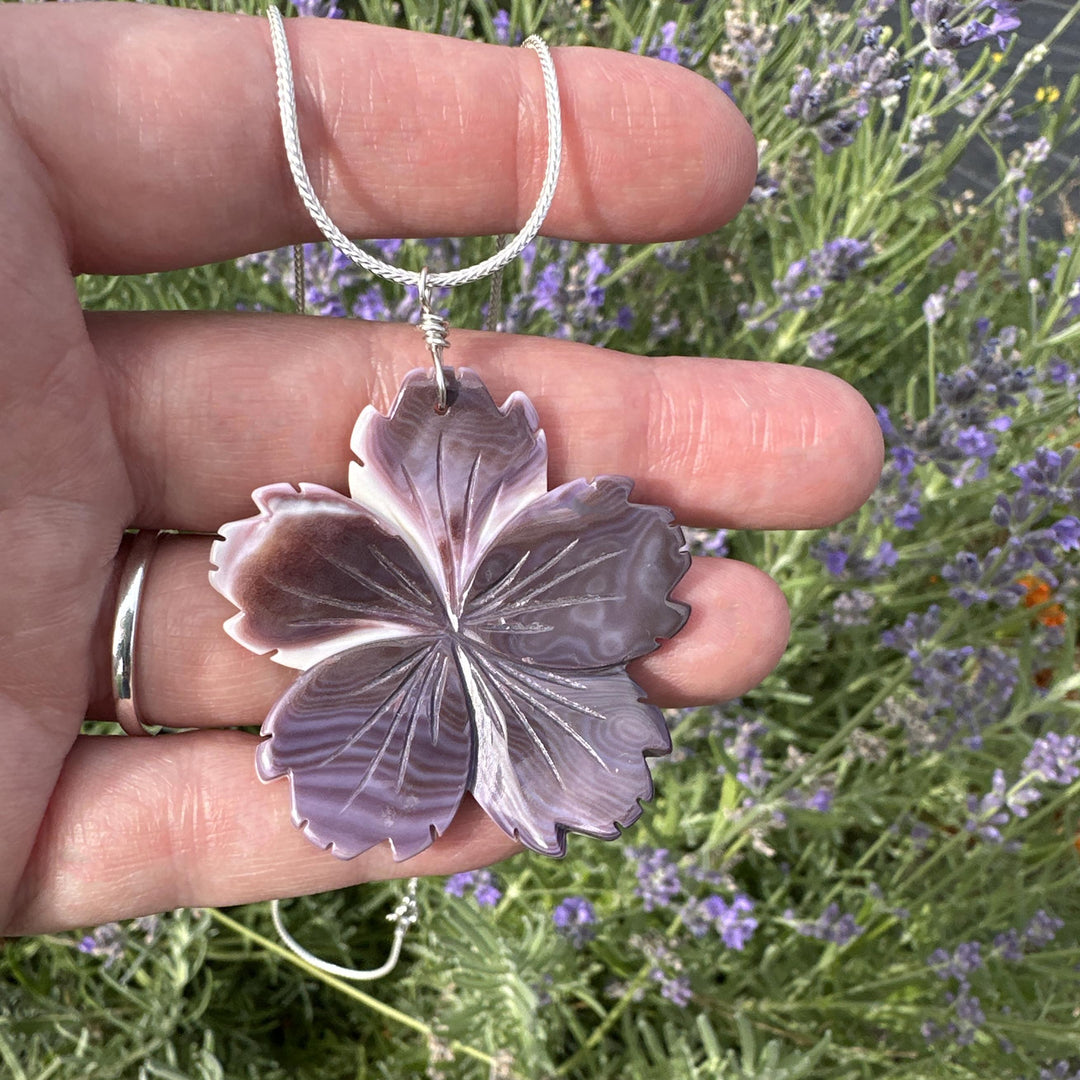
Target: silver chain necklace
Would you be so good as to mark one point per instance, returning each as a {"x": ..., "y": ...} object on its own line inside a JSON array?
[{"x": 456, "y": 625}]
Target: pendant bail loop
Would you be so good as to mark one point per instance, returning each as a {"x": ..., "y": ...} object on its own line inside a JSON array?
[{"x": 436, "y": 331}]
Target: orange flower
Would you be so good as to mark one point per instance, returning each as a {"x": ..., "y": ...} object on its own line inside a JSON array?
[{"x": 1038, "y": 592}]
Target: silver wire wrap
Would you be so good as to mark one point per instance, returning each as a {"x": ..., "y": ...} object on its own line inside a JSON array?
[
  {"x": 410, "y": 278},
  {"x": 436, "y": 331},
  {"x": 128, "y": 602},
  {"x": 403, "y": 916}
]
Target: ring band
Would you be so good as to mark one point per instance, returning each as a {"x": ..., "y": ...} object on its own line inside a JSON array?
[{"x": 132, "y": 578}]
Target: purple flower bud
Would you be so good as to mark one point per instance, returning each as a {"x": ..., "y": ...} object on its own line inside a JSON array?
[
  {"x": 1060, "y": 372},
  {"x": 885, "y": 421},
  {"x": 327, "y": 9},
  {"x": 658, "y": 877},
  {"x": 676, "y": 988},
  {"x": 832, "y": 926},
  {"x": 1042, "y": 929},
  {"x": 975, "y": 443},
  {"x": 1067, "y": 533},
  {"x": 1008, "y": 946},
  {"x": 820, "y": 345},
  {"x": 1000, "y": 512},
  {"x": 501, "y": 21},
  {"x": 575, "y": 918},
  {"x": 887, "y": 556},
  {"x": 835, "y": 562},
  {"x": 456, "y": 884},
  {"x": 904, "y": 458},
  {"x": 734, "y": 922},
  {"x": 1054, "y": 758},
  {"x": 484, "y": 891}
]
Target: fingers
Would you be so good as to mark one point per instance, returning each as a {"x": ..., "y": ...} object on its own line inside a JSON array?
[
  {"x": 208, "y": 408},
  {"x": 142, "y": 825},
  {"x": 191, "y": 674},
  {"x": 159, "y": 129},
  {"x": 736, "y": 634},
  {"x": 139, "y": 825}
]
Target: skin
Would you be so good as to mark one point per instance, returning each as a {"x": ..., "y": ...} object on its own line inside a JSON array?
[{"x": 136, "y": 139}]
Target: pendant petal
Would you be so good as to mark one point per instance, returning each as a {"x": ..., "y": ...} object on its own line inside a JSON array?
[
  {"x": 448, "y": 483},
  {"x": 377, "y": 745},
  {"x": 580, "y": 579},
  {"x": 314, "y": 574},
  {"x": 557, "y": 752}
]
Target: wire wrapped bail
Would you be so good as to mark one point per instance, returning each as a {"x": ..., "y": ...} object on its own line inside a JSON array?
[{"x": 436, "y": 332}]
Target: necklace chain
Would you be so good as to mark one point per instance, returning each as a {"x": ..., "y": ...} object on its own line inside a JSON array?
[{"x": 503, "y": 257}]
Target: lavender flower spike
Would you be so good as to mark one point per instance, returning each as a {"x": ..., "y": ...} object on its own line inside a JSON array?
[{"x": 459, "y": 628}]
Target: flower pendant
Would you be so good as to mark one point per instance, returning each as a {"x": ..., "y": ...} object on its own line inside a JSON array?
[{"x": 458, "y": 628}]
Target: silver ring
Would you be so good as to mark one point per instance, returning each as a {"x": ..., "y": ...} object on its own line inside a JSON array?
[{"x": 132, "y": 578}]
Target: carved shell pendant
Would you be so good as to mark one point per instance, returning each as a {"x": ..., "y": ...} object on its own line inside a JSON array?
[{"x": 459, "y": 627}]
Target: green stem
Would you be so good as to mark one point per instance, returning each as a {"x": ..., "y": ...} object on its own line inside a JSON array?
[
  {"x": 635, "y": 984},
  {"x": 372, "y": 1003},
  {"x": 628, "y": 266},
  {"x": 763, "y": 811},
  {"x": 931, "y": 370}
]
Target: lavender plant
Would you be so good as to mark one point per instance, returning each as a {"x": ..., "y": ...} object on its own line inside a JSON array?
[{"x": 867, "y": 867}]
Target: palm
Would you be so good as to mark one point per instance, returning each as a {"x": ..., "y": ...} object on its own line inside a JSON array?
[{"x": 125, "y": 160}]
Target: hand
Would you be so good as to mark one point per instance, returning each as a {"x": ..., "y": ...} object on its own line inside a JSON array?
[{"x": 136, "y": 139}]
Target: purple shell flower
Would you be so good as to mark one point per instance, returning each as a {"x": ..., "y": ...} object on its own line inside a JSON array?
[{"x": 459, "y": 628}]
